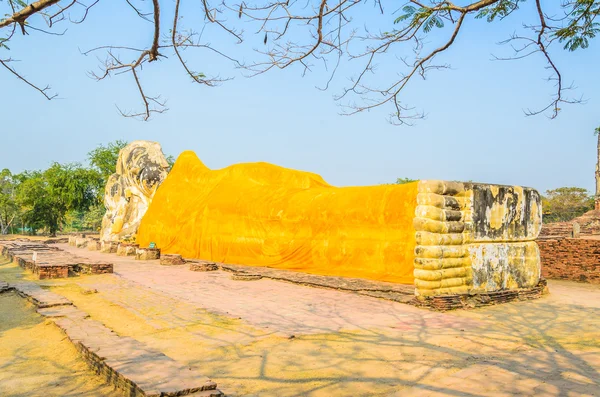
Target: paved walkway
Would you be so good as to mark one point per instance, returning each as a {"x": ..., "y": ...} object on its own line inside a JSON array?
[
  {"x": 270, "y": 338},
  {"x": 281, "y": 307}
]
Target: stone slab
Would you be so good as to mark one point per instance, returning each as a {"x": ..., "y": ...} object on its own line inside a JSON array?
[
  {"x": 128, "y": 363},
  {"x": 40, "y": 297},
  {"x": 125, "y": 362},
  {"x": 171, "y": 260},
  {"x": 377, "y": 289}
]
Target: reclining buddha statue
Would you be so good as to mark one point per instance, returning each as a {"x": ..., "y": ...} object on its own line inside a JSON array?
[{"x": 445, "y": 237}]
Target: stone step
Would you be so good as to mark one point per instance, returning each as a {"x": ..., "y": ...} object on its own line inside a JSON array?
[
  {"x": 126, "y": 362},
  {"x": 40, "y": 297}
]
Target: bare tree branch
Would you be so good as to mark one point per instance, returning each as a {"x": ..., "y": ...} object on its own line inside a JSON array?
[
  {"x": 21, "y": 16},
  {"x": 320, "y": 33},
  {"x": 43, "y": 91}
]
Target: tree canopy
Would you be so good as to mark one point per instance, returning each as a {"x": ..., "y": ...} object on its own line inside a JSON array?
[
  {"x": 103, "y": 158},
  {"x": 565, "y": 203},
  {"x": 47, "y": 196},
  {"x": 9, "y": 209},
  {"x": 402, "y": 181},
  {"x": 316, "y": 33}
]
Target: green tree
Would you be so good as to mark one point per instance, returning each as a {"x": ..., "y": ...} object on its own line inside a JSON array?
[
  {"x": 566, "y": 203},
  {"x": 9, "y": 207},
  {"x": 104, "y": 158},
  {"x": 92, "y": 219},
  {"x": 402, "y": 181},
  {"x": 314, "y": 33},
  {"x": 47, "y": 196}
]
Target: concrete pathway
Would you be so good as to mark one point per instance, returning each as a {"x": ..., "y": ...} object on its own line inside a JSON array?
[{"x": 281, "y": 307}]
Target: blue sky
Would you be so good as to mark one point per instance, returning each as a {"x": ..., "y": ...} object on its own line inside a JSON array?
[{"x": 475, "y": 127}]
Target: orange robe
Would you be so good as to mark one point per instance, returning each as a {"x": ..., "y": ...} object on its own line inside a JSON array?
[{"x": 265, "y": 215}]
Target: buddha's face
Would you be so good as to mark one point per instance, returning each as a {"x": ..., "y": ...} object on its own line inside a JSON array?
[{"x": 144, "y": 167}]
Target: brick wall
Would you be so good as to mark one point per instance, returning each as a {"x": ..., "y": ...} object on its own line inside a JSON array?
[{"x": 571, "y": 259}]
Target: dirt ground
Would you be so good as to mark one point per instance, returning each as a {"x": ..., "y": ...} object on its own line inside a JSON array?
[{"x": 269, "y": 338}]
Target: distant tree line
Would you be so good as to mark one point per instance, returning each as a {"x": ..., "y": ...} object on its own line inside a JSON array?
[
  {"x": 565, "y": 203},
  {"x": 62, "y": 198}
]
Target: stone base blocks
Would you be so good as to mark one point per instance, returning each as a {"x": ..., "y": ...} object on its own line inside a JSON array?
[
  {"x": 127, "y": 249},
  {"x": 475, "y": 238},
  {"x": 469, "y": 301},
  {"x": 147, "y": 254},
  {"x": 50, "y": 262},
  {"x": 78, "y": 240},
  {"x": 109, "y": 247},
  {"x": 203, "y": 266},
  {"x": 124, "y": 362},
  {"x": 94, "y": 244},
  {"x": 171, "y": 260}
]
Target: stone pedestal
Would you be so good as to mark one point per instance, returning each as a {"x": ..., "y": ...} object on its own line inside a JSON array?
[
  {"x": 127, "y": 249},
  {"x": 81, "y": 242},
  {"x": 147, "y": 254},
  {"x": 171, "y": 260},
  {"x": 109, "y": 247},
  {"x": 203, "y": 266},
  {"x": 94, "y": 244}
]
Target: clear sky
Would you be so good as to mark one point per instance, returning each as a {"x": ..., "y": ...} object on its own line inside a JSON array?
[{"x": 475, "y": 127}]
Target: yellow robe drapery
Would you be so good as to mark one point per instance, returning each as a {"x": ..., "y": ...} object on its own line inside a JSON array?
[{"x": 265, "y": 215}]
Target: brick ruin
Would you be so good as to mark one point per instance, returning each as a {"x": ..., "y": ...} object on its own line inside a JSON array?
[
  {"x": 46, "y": 261},
  {"x": 568, "y": 257},
  {"x": 589, "y": 224},
  {"x": 575, "y": 259}
]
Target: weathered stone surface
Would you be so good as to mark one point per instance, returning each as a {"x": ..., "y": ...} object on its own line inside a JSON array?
[
  {"x": 171, "y": 260},
  {"x": 476, "y": 238},
  {"x": 203, "y": 266},
  {"x": 469, "y": 301},
  {"x": 126, "y": 249},
  {"x": 39, "y": 296},
  {"x": 109, "y": 247},
  {"x": 378, "y": 289},
  {"x": 245, "y": 276},
  {"x": 147, "y": 254},
  {"x": 141, "y": 168},
  {"x": 94, "y": 244},
  {"x": 81, "y": 242}
]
